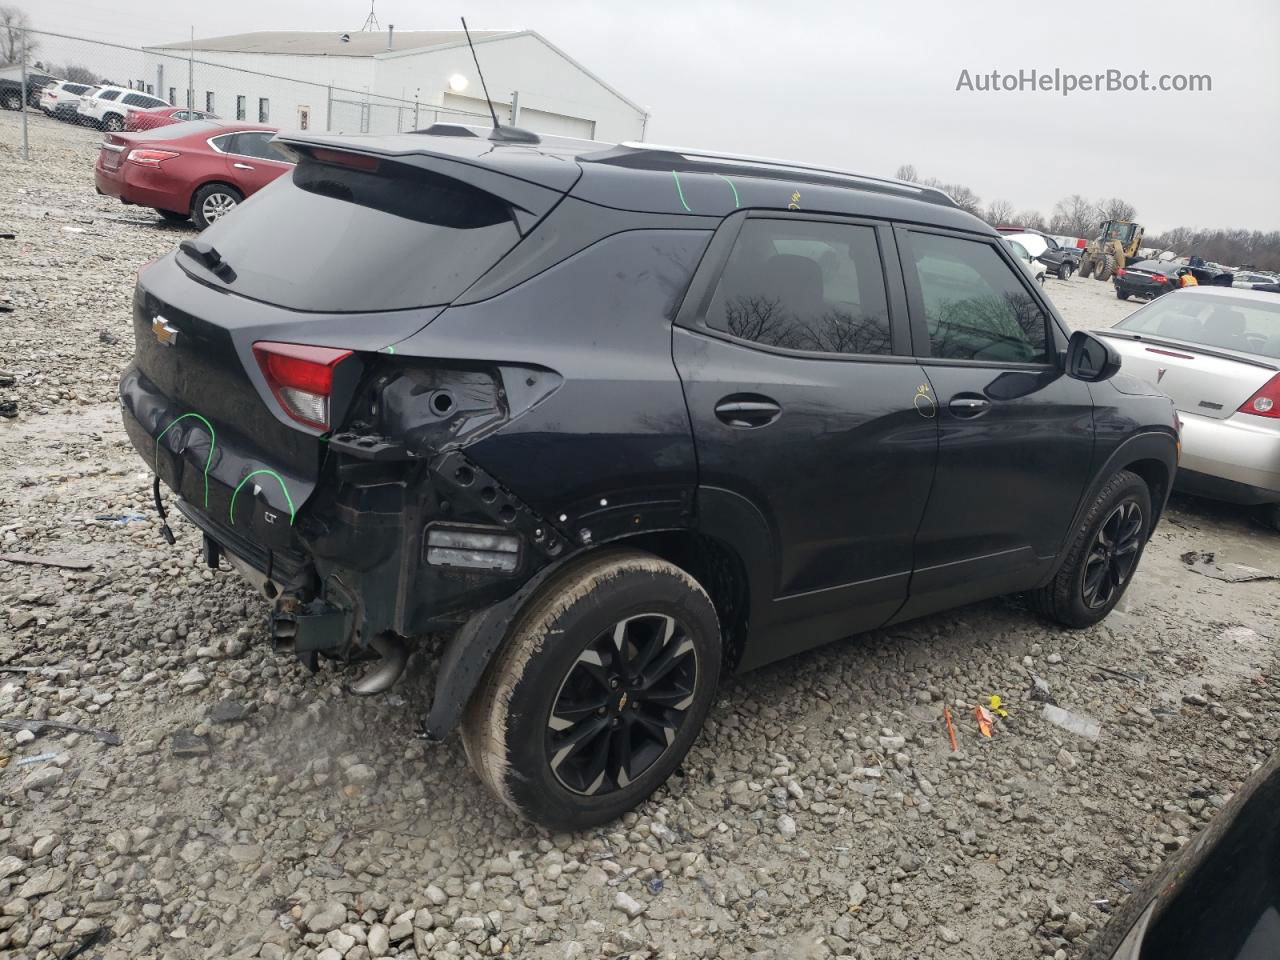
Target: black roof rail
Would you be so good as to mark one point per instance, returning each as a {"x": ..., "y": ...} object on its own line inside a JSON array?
[{"x": 649, "y": 156}]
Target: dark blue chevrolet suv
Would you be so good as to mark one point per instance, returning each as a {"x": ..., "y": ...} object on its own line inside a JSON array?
[{"x": 618, "y": 419}]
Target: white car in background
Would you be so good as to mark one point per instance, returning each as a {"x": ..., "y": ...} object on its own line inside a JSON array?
[
  {"x": 1245, "y": 279},
  {"x": 59, "y": 100},
  {"x": 1215, "y": 352},
  {"x": 107, "y": 107},
  {"x": 1034, "y": 266}
]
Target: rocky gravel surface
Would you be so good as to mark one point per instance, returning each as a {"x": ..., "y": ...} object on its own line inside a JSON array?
[{"x": 251, "y": 809}]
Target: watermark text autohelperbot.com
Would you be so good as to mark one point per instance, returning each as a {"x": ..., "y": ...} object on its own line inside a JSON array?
[{"x": 1066, "y": 83}]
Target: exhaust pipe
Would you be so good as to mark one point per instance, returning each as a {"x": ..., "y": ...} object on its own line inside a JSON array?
[{"x": 394, "y": 654}]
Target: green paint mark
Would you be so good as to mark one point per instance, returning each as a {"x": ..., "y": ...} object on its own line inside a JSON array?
[
  {"x": 213, "y": 442},
  {"x": 231, "y": 511},
  {"x": 680, "y": 192},
  {"x": 736, "y": 202},
  {"x": 390, "y": 350}
]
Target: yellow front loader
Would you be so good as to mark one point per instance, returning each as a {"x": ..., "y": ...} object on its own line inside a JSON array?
[{"x": 1115, "y": 246}]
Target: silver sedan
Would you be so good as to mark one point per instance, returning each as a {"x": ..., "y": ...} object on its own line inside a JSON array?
[{"x": 1216, "y": 352}]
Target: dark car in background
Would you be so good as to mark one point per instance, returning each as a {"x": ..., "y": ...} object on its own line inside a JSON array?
[
  {"x": 13, "y": 94},
  {"x": 199, "y": 169},
  {"x": 616, "y": 419},
  {"x": 1150, "y": 278},
  {"x": 1058, "y": 260}
]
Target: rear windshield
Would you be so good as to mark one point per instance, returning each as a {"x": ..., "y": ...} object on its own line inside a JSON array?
[
  {"x": 336, "y": 239},
  {"x": 1229, "y": 323}
]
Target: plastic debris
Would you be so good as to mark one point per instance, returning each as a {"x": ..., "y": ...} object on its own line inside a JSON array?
[
  {"x": 1080, "y": 724},
  {"x": 655, "y": 885},
  {"x": 120, "y": 517},
  {"x": 1040, "y": 691},
  {"x": 994, "y": 703},
  {"x": 1135, "y": 677},
  {"x": 986, "y": 723},
  {"x": 1206, "y": 564},
  {"x": 185, "y": 743},
  {"x": 38, "y": 726},
  {"x": 67, "y": 563},
  {"x": 38, "y": 758},
  {"x": 951, "y": 728}
]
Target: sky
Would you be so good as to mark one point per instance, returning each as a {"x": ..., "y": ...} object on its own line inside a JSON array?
[{"x": 868, "y": 86}]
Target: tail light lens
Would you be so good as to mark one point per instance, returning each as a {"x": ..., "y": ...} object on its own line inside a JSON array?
[
  {"x": 1266, "y": 402},
  {"x": 1159, "y": 278},
  {"x": 1120, "y": 272},
  {"x": 300, "y": 378},
  {"x": 151, "y": 158}
]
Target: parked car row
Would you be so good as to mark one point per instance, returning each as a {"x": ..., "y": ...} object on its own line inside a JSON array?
[
  {"x": 12, "y": 92},
  {"x": 197, "y": 169},
  {"x": 1059, "y": 260},
  {"x": 111, "y": 108}
]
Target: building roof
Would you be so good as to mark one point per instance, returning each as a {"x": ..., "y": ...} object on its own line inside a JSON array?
[{"x": 329, "y": 43}]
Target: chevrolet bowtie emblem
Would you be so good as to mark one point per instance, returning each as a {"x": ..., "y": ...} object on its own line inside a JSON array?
[
  {"x": 164, "y": 333},
  {"x": 1160, "y": 372}
]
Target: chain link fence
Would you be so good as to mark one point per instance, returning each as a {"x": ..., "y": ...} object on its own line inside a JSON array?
[{"x": 202, "y": 83}]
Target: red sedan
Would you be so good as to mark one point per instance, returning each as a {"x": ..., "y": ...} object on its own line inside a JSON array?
[
  {"x": 199, "y": 169},
  {"x": 163, "y": 116}
]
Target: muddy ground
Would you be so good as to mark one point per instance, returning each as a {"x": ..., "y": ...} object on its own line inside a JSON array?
[{"x": 254, "y": 809}]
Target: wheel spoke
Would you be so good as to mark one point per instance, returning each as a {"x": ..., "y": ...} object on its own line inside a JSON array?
[
  {"x": 569, "y": 712},
  {"x": 620, "y": 752},
  {"x": 671, "y": 656},
  {"x": 575, "y": 741}
]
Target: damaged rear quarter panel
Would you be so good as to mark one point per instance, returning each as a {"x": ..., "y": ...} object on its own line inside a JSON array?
[{"x": 610, "y": 449}]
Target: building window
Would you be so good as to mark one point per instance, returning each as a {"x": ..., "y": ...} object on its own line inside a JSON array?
[
  {"x": 264, "y": 109},
  {"x": 173, "y": 96},
  {"x": 240, "y": 108},
  {"x": 150, "y": 88},
  {"x": 208, "y": 100},
  {"x": 304, "y": 118}
]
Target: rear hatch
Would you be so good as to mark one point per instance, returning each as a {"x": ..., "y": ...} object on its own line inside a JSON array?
[{"x": 354, "y": 251}]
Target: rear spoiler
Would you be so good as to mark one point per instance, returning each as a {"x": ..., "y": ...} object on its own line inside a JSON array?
[
  {"x": 1190, "y": 347},
  {"x": 531, "y": 182}
]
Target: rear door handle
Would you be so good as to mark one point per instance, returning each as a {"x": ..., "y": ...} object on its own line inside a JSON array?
[
  {"x": 748, "y": 411},
  {"x": 242, "y": 166},
  {"x": 968, "y": 405}
]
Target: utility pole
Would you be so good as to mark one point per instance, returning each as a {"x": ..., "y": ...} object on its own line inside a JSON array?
[
  {"x": 26, "y": 152},
  {"x": 191, "y": 72}
]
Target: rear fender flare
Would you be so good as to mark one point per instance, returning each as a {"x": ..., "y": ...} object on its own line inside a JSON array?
[{"x": 1151, "y": 445}]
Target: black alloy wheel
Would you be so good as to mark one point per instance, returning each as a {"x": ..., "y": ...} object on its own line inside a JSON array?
[
  {"x": 621, "y": 704},
  {"x": 1113, "y": 555}
]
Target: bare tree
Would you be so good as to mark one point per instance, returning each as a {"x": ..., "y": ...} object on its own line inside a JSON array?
[
  {"x": 906, "y": 172},
  {"x": 999, "y": 212},
  {"x": 77, "y": 73},
  {"x": 1117, "y": 209},
  {"x": 13, "y": 24},
  {"x": 965, "y": 198},
  {"x": 1032, "y": 219},
  {"x": 1075, "y": 216}
]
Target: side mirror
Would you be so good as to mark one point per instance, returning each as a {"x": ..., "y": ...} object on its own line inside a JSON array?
[{"x": 1091, "y": 358}]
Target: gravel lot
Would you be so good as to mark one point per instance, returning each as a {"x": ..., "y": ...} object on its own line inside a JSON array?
[{"x": 253, "y": 809}]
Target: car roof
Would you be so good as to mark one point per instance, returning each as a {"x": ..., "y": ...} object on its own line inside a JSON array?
[
  {"x": 1231, "y": 293},
  {"x": 665, "y": 179}
]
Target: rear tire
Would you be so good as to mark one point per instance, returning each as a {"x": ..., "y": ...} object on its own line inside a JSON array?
[
  {"x": 1271, "y": 513},
  {"x": 599, "y": 692},
  {"x": 1108, "y": 267},
  {"x": 213, "y": 201},
  {"x": 11, "y": 101},
  {"x": 113, "y": 123},
  {"x": 1102, "y": 554},
  {"x": 1120, "y": 294},
  {"x": 1086, "y": 268}
]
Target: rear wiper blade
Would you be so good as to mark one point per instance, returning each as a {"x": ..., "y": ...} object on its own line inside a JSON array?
[{"x": 207, "y": 255}]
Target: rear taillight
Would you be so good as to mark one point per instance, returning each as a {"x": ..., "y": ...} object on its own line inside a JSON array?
[
  {"x": 151, "y": 158},
  {"x": 300, "y": 378},
  {"x": 342, "y": 158},
  {"x": 1120, "y": 272},
  {"x": 1159, "y": 278},
  {"x": 1266, "y": 402}
]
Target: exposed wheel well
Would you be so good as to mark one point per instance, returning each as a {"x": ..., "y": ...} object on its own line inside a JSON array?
[
  {"x": 721, "y": 573},
  {"x": 1156, "y": 476}
]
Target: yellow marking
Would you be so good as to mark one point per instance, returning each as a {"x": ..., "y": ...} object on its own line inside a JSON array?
[{"x": 795, "y": 201}]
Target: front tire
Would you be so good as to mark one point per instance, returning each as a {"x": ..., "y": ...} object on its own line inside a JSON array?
[
  {"x": 212, "y": 202},
  {"x": 1271, "y": 513},
  {"x": 172, "y": 216},
  {"x": 1121, "y": 295},
  {"x": 1107, "y": 269},
  {"x": 599, "y": 692},
  {"x": 1064, "y": 272},
  {"x": 1086, "y": 268},
  {"x": 1102, "y": 554},
  {"x": 113, "y": 123},
  {"x": 11, "y": 101}
]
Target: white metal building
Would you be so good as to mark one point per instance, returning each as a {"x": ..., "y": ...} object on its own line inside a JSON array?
[{"x": 383, "y": 82}]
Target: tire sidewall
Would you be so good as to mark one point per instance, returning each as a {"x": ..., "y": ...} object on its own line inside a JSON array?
[
  {"x": 530, "y": 783},
  {"x": 1132, "y": 488},
  {"x": 197, "y": 203}
]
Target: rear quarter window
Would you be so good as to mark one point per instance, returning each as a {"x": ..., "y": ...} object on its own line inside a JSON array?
[{"x": 335, "y": 239}]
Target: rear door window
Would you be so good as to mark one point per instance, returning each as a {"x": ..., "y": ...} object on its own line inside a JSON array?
[
  {"x": 976, "y": 307},
  {"x": 798, "y": 285},
  {"x": 333, "y": 238},
  {"x": 258, "y": 145},
  {"x": 109, "y": 95}
]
